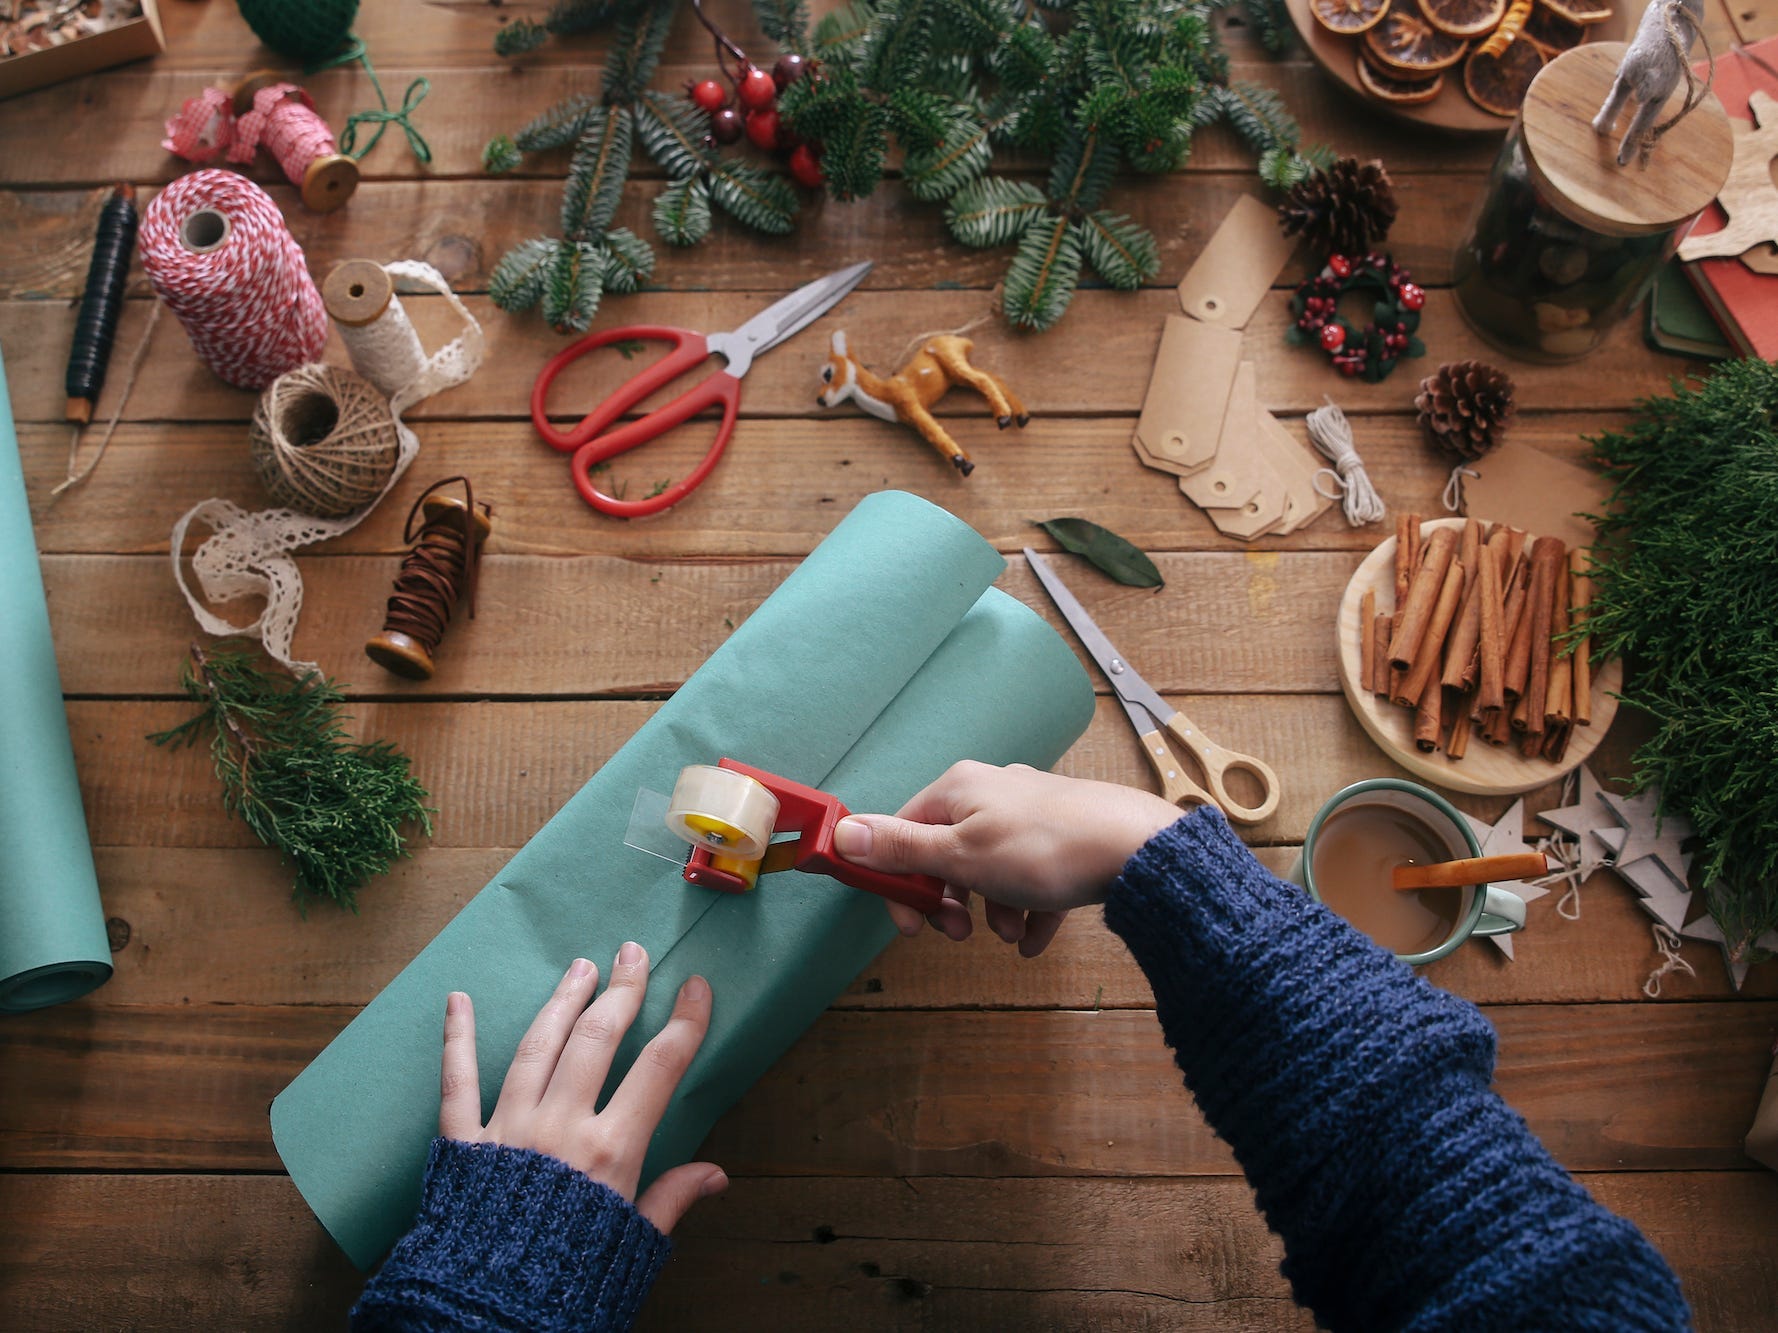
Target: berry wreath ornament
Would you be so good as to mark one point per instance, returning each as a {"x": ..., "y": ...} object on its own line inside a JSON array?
[{"x": 1371, "y": 352}]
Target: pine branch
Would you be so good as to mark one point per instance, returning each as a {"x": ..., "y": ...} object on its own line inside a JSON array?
[
  {"x": 518, "y": 279},
  {"x": 571, "y": 290},
  {"x": 682, "y": 212},
  {"x": 840, "y": 35},
  {"x": 672, "y": 132},
  {"x": 786, "y": 23},
  {"x": 760, "y": 199},
  {"x": 1082, "y": 173},
  {"x": 519, "y": 37},
  {"x": 1259, "y": 116},
  {"x": 854, "y": 148},
  {"x": 332, "y": 808},
  {"x": 561, "y": 125},
  {"x": 993, "y": 211},
  {"x": 1270, "y": 21},
  {"x": 1120, "y": 250},
  {"x": 636, "y": 50},
  {"x": 1044, "y": 272},
  {"x": 961, "y": 156},
  {"x": 629, "y": 262},
  {"x": 596, "y": 174},
  {"x": 897, "y": 43},
  {"x": 568, "y": 17},
  {"x": 501, "y": 155}
]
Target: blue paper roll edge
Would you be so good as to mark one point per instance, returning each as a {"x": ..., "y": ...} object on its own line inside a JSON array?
[{"x": 53, "y": 945}]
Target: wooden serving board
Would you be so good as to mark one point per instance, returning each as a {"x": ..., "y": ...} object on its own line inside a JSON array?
[{"x": 1486, "y": 770}]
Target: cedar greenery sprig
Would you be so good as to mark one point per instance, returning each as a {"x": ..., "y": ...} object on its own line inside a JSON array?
[
  {"x": 334, "y": 808},
  {"x": 1686, "y": 589}
]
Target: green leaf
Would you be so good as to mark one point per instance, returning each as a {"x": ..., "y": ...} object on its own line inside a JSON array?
[
  {"x": 561, "y": 125},
  {"x": 672, "y": 131},
  {"x": 596, "y": 175},
  {"x": 682, "y": 212},
  {"x": 517, "y": 281},
  {"x": 1120, "y": 250},
  {"x": 571, "y": 291},
  {"x": 501, "y": 155},
  {"x": 993, "y": 211},
  {"x": 629, "y": 262},
  {"x": 1105, "y": 549},
  {"x": 757, "y": 198},
  {"x": 1041, "y": 281}
]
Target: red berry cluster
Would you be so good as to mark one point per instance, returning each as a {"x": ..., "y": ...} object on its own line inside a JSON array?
[
  {"x": 753, "y": 110},
  {"x": 1317, "y": 308}
]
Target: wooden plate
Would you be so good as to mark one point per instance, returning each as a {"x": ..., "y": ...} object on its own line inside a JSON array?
[
  {"x": 1451, "y": 110},
  {"x": 1486, "y": 770}
]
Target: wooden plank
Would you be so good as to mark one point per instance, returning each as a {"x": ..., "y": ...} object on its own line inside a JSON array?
[
  {"x": 463, "y": 228},
  {"x": 814, "y": 471},
  {"x": 214, "y": 924},
  {"x": 1121, "y": 329},
  {"x": 185, "y": 1088},
  {"x": 154, "y": 1252},
  {"x": 536, "y": 754},
  {"x": 543, "y": 625}
]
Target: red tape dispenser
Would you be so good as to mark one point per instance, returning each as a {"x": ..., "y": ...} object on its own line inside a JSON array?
[{"x": 730, "y": 812}]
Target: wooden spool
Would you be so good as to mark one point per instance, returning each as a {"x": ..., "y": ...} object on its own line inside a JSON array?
[
  {"x": 357, "y": 292},
  {"x": 1576, "y": 169},
  {"x": 330, "y": 179},
  {"x": 402, "y": 653}
]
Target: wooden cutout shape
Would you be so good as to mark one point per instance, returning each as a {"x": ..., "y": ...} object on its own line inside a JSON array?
[
  {"x": 1188, "y": 393},
  {"x": 1762, "y": 259},
  {"x": 1748, "y": 196},
  {"x": 1243, "y": 259}
]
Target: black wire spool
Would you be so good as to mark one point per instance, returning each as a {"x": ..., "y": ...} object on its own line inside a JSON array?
[{"x": 101, "y": 303}]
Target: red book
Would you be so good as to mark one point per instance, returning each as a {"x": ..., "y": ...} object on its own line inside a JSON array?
[{"x": 1743, "y": 303}]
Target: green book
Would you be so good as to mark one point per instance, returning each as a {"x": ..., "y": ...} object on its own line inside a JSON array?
[{"x": 1679, "y": 321}]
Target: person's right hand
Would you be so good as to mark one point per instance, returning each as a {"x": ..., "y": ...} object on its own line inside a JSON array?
[{"x": 1033, "y": 844}]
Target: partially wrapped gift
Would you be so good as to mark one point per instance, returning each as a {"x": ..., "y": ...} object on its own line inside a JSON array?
[{"x": 886, "y": 657}]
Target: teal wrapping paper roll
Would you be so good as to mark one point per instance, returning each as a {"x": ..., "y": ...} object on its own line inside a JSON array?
[
  {"x": 52, "y": 927},
  {"x": 883, "y": 659}
]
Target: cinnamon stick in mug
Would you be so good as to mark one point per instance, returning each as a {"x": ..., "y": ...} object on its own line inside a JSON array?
[
  {"x": 1548, "y": 555},
  {"x": 1470, "y": 870},
  {"x": 1580, "y": 598},
  {"x": 1423, "y": 593},
  {"x": 1491, "y": 690},
  {"x": 1426, "y": 664}
]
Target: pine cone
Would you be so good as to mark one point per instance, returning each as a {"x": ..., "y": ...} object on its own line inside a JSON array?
[
  {"x": 1464, "y": 407},
  {"x": 1346, "y": 209}
]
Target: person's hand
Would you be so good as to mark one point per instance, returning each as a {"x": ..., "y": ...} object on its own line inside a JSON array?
[
  {"x": 546, "y": 1102},
  {"x": 1032, "y": 844}
]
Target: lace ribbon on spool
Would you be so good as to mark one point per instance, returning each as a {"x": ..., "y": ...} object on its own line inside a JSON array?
[
  {"x": 266, "y": 112},
  {"x": 440, "y": 569},
  {"x": 249, "y": 554},
  {"x": 360, "y": 296},
  {"x": 218, "y": 253}
]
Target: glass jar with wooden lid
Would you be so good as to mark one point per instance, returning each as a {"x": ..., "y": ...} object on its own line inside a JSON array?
[{"x": 1566, "y": 242}]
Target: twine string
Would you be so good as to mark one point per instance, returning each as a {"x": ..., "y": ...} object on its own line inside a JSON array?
[
  {"x": 1353, "y": 487},
  {"x": 1667, "y": 943},
  {"x": 383, "y": 118},
  {"x": 323, "y": 440},
  {"x": 1452, "y": 499}
]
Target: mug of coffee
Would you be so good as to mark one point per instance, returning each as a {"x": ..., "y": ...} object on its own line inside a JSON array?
[{"x": 1363, "y": 833}]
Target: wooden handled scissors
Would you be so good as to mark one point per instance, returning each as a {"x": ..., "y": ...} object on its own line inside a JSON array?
[
  {"x": 1155, "y": 720},
  {"x": 593, "y": 442}
]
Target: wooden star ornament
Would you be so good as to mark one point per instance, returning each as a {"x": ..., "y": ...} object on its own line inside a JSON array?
[
  {"x": 1705, "y": 928},
  {"x": 1587, "y": 815},
  {"x": 1506, "y": 837},
  {"x": 1664, "y": 898},
  {"x": 1641, "y": 838}
]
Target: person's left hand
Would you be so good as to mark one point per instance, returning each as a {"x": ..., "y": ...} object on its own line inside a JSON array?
[{"x": 546, "y": 1103}]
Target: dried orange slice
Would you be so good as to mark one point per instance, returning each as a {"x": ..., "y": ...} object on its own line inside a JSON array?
[
  {"x": 1499, "y": 83},
  {"x": 1348, "y": 17},
  {"x": 1584, "y": 12},
  {"x": 1387, "y": 86},
  {"x": 1552, "y": 33},
  {"x": 1405, "y": 43},
  {"x": 1464, "y": 18}
]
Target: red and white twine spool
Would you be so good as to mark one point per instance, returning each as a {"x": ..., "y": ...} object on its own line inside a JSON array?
[{"x": 218, "y": 253}]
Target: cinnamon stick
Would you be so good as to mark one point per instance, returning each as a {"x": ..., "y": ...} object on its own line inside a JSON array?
[
  {"x": 1426, "y": 714},
  {"x": 1379, "y": 683},
  {"x": 1460, "y": 652},
  {"x": 1426, "y": 666},
  {"x": 1548, "y": 555},
  {"x": 1407, "y": 529},
  {"x": 1367, "y": 646},
  {"x": 1516, "y": 626},
  {"x": 1580, "y": 599},
  {"x": 1457, "y": 743},
  {"x": 1423, "y": 594},
  {"x": 1559, "y": 692},
  {"x": 1555, "y": 741},
  {"x": 1490, "y": 693},
  {"x": 1470, "y": 870},
  {"x": 1499, "y": 728}
]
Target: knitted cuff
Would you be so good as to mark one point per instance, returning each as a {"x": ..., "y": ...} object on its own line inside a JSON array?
[{"x": 511, "y": 1238}]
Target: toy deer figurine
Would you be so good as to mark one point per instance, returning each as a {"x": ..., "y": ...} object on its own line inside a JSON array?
[
  {"x": 908, "y": 395},
  {"x": 1653, "y": 65}
]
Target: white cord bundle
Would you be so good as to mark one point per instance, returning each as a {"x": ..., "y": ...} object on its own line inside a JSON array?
[{"x": 1332, "y": 435}]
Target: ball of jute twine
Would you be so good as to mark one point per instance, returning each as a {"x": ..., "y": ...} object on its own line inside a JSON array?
[{"x": 323, "y": 440}]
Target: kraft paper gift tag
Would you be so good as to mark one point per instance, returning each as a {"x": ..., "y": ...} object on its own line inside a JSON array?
[
  {"x": 884, "y": 658},
  {"x": 1188, "y": 392},
  {"x": 1531, "y": 490},
  {"x": 1303, "y": 504},
  {"x": 1238, "y": 267}
]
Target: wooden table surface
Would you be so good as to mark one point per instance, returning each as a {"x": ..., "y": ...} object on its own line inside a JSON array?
[{"x": 965, "y": 1140}]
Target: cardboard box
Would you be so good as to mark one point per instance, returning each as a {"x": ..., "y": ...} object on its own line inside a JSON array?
[{"x": 115, "y": 46}]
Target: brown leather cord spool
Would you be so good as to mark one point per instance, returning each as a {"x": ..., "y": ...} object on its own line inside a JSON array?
[{"x": 439, "y": 569}]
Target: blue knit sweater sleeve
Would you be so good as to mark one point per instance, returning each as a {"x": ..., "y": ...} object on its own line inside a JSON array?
[
  {"x": 1356, "y": 1097},
  {"x": 511, "y": 1239}
]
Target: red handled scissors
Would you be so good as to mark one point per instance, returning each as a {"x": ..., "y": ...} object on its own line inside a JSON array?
[{"x": 592, "y": 441}]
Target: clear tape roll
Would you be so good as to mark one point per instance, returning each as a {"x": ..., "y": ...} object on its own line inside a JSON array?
[{"x": 723, "y": 810}]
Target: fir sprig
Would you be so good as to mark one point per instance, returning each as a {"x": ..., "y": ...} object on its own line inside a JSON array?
[
  {"x": 1686, "y": 589},
  {"x": 335, "y": 809}
]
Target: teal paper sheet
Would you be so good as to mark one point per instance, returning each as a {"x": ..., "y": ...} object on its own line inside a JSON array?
[
  {"x": 885, "y": 657},
  {"x": 52, "y": 928}
]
